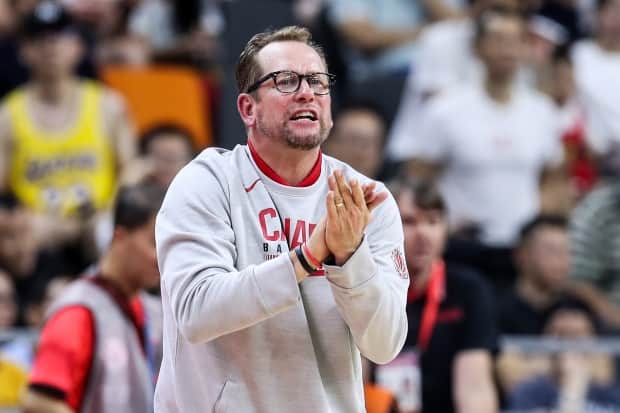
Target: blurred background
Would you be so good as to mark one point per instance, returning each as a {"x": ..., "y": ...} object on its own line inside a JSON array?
[{"x": 512, "y": 107}]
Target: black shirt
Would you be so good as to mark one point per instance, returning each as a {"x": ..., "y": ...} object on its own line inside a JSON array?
[
  {"x": 517, "y": 317},
  {"x": 465, "y": 321}
]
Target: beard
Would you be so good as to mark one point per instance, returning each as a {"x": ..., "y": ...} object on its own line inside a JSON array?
[{"x": 292, "y": 139}]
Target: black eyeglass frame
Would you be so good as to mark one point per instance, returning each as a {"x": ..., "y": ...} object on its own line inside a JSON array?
[{"x": 272, "y": 75}]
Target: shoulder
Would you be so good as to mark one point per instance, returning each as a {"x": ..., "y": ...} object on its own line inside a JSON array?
[
  {"x": 444, "y": 33},
  {"x": 454, "y": 100},
  {"x": 464, "y": 277},
  {"x": 112, "y": 102},
  {"x": 583, "y": 50},
  {"x": 203, "y": 180}
]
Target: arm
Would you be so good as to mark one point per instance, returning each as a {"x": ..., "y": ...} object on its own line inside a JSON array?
[
  {"x": 474, "y": 390},
  {"x": 472, "y": 373},
  {"x": 59, "y": 374},
  {"x": 36, "y": 402},
  {"x": 368, "y": 289},
  {"x": 363, "y": 35},
  {"x": 605, "y": 309},
  {"x": 121, "y": 131}
]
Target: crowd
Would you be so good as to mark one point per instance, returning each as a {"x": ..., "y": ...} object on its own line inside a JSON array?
[{"x": 494, "y": 123}]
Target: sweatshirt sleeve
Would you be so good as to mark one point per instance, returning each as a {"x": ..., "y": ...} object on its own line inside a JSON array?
[
  {"x": 370, "y": 289},
  {"x": 196, "y": 252}
]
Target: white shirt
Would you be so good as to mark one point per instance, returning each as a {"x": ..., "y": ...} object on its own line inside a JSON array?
[
  {"x": 492, "y": 156},
  {"x": 597, "y": 75}
]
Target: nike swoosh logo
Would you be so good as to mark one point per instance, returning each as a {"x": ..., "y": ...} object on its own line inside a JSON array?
[{"x": 249, "y": 188}]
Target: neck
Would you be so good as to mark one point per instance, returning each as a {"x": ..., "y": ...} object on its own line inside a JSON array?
[
  {"x": 420, "y": 276},
  {"x": 609, "y": 43},
  {"x": 291, "y": 164},
  {"x": 500, "y": 90},
  {"x": 53, "y": 91},
  {"x": 533, "y": 294},
  {"x": 111, "y": 270}
]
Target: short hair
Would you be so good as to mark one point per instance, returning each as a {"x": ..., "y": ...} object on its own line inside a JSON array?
[
  {"x": 541, "y": 221},
  {"x": 157, "y": 131},
  {"x": 137, "y": 204},
  {"x": 426, "y": 194},
  {"x": 483, "y": 21},
  {"x": 569, "y": 303},
  {"x": 249, "y": 71}
]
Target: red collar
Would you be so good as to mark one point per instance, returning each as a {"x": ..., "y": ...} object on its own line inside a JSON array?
[{"x": 310, "y": 179}]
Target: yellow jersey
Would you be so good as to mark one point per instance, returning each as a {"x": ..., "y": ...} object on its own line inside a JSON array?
[{"x": 64, "y": 173}]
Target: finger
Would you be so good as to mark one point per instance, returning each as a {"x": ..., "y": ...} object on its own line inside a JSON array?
[
  {"x": 358, "y": 194},
  {"x": 333, "y": 186},
  {"x": 369, "y": 187},
  {"x": 345, "y": 191},
  {"x": 380, "y": 197},
  {"x": 332, "y": 209}
]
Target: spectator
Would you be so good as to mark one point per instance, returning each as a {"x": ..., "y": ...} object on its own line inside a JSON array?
[
  {"x": 166, "y": 149},
  {"x": 181, "y": 31},
  {"x": 450, "y": 314},
  {"x": 106, "y": 363},
  {"x": 380, "y": 38},
  {"x": 65, "y": 142},
  {"x": 445, "y": 59},
  {"x": 494, "y": 148},
  {"x": 358, "y": 137},
  {"x": 542, "y": 258},
  {"x": 595, "y": 239},
  {"x": 596, "y": 67},
  {"x": 572, "y": 385}
]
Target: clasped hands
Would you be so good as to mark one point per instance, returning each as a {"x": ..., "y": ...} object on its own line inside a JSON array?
[{"x": 341, "y": 230}]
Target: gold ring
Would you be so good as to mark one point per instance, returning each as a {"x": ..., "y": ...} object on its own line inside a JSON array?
[{"x": 338, "y": 205}]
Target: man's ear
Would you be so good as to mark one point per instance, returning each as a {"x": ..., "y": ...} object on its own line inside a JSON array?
[{"x": 246, "y": 105}]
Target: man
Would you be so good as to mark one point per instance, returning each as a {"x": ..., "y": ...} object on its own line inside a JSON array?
[
  {"x": 445, "y": 59},
  {"x": 577, "y": 381},
  {"x": 63, "y": 142},
  {"x": 494, "y": 148},
  {"x": 273, "y": 279},
  {"x": 451, "y": 324},
  {"x": 96, "y": 351}
]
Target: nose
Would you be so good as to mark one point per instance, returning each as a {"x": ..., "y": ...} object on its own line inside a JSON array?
[{"x": 305, "y": 92}]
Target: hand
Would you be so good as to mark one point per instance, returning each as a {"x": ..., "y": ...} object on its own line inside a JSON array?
[
  {"x": 316, "y": 243},
  {"x": 348, "y": 213}
]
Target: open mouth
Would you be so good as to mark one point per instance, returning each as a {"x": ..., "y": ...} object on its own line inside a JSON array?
[{"x": 304, "y": 115}]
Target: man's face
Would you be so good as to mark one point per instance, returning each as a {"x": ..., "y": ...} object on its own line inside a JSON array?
[
  {"x": 139, "y": 255},
  {"x": 278, "y": 114},
  {"x": 357, "y": 139},
  {"x": 502, "y": 47},
  {"x": 168, "y": 154},
  {"x": 547, "y": 258},
  {"x": 570, "y": 324},
  {"x": 53, "y": 55},
  {"x": 425, "y": 232}
]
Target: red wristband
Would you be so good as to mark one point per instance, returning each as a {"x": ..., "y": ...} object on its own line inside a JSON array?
[{"x": 315, "y": 263}]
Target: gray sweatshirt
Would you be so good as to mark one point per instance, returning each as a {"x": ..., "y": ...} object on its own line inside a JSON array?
[{"x": 240, "y": 335}]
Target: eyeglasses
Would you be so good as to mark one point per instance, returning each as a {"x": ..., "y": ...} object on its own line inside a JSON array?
[{"x": 287, "y": 81}]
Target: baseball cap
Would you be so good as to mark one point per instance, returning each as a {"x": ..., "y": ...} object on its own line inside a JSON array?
[{"x": 48, "y": 17}]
